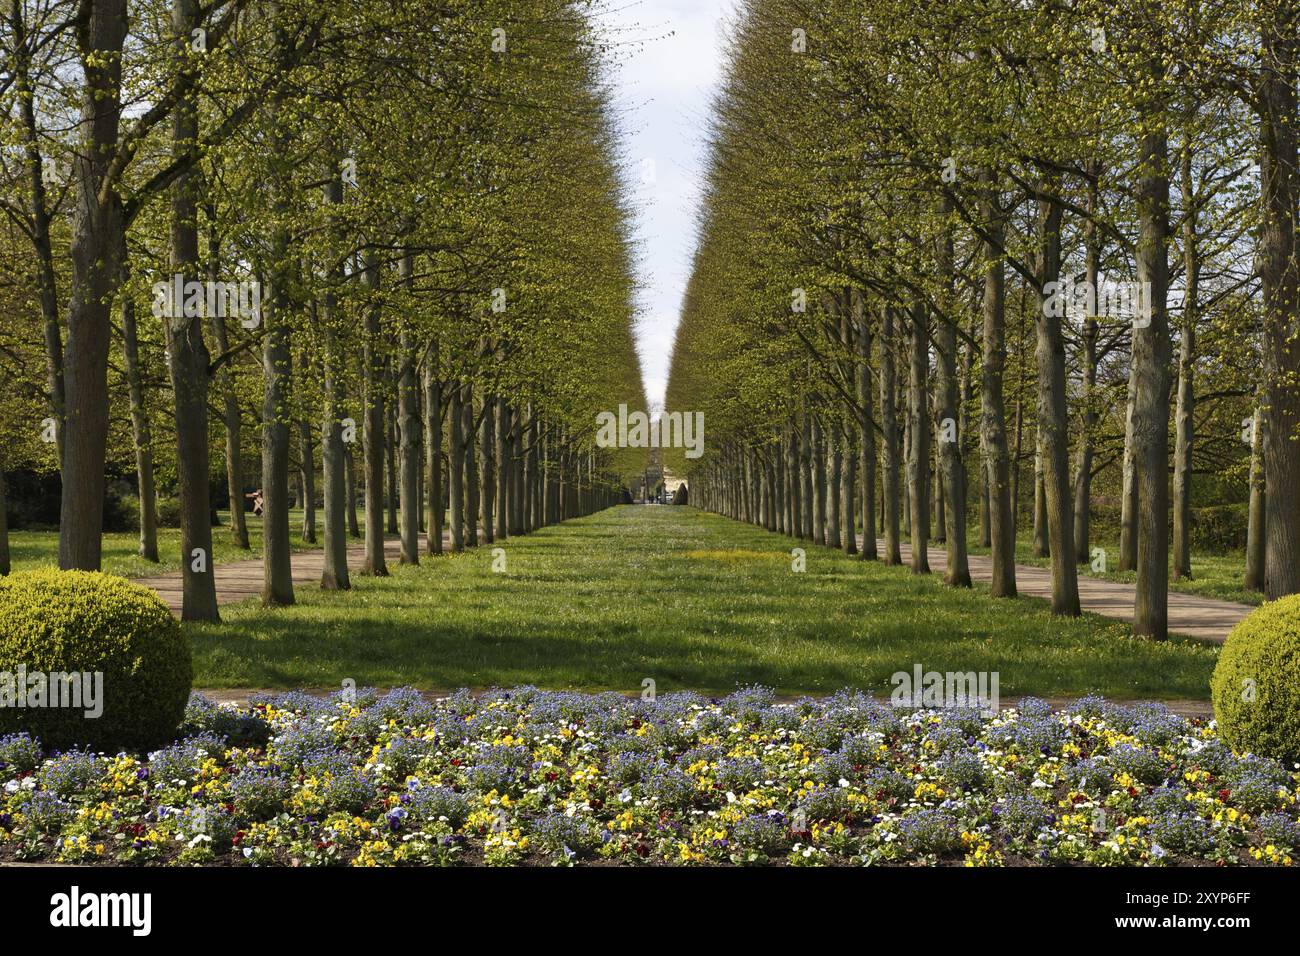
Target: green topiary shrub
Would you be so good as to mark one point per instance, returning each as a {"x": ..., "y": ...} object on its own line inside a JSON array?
[
  {"x": 1256, "y": 683},
  {"x": 78, "y": 622}
]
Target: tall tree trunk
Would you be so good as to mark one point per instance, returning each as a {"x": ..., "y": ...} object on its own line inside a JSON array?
[
  {"x": 516, "y": 472},
  {"x": 230, "y": 416},
  {"x": 277, "y": 382},
  {"x": 1017, "y": 453},
  {"x": 1053, "y": 420},
  {"x": 1255, "y": 536},
  {"x": 350, "y": 483},
  {"x": 409, "y": 428},
  {"x": 993, "y": 428},
  {"x": 1186, "y": 368},
  {"x": 866, "y": 428},
  {"x": 391, "y": 478},
  {"x": 968, "y": 434},
  {"x": 140, "y": 433},
  {"x": 1151, "y": 364},
  {"x": 98, "y": 228},
  {"x": 433, "y": 457},
  {"x": 501, "y": 433},
  {"x": 889, "y": 432},
  {"x": 307, "y": 455},
  {"x": 848, "y": 487},
  {"x": 456, "y": 469},
  {"x": 918, "y": 463},
  {"x": 780, "y": 502},
  {"x": 792, "y": 470},
  {"x": 806, "y": 490},
  {"x": 375, "y": 429},
  {"x": 487, "y": 469},
  {"x": 1083, "y": 466},
  {"x": 938, "y": 494},
  {"x": 530, "y": 472},
  {"x": 951, "y": 437},
  {"x": 833, "y": 479},
  {"x": 1279, "y": 270},
  {"x": 188, "y": 356},
  {"x": 1042, "y": 548},
  {"x": 818, "y": 479},
  {"x": 1128, "y": 517},
  {"x": 908, "y": 504},
  {"x": 471, "y": 467},
  {"x": 334, "y": 454}
]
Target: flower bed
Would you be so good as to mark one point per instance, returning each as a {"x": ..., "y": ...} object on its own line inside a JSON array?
[{"x": 532, "y": 777}]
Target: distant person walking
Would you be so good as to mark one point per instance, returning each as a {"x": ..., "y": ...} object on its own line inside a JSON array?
[{"x": 257, "y": 501}]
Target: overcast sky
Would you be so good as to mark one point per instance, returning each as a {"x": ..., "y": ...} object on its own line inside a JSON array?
[{"x": 665, "y": 81}]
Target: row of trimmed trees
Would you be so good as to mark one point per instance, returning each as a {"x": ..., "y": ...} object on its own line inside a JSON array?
[
  {"x": 915, "y": 213},
  {"x": 399, "y": 237}
]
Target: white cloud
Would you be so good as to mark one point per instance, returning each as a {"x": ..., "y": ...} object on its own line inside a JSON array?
[{"x": 664, "y": 85}]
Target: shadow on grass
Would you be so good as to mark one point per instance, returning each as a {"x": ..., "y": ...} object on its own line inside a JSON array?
[{"x": 606, "y": 601}]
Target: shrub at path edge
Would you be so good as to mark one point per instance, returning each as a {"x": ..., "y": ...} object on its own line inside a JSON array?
[
  {"x": 55, "y": 621},
  {"x": 1256, "y": 683}
]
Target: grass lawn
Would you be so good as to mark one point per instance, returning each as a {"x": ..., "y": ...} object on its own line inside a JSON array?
[
  {"x": 34, "y": 549},
  {"x": 1213, "y": 575},
  {"x": 688, "y": 599}
]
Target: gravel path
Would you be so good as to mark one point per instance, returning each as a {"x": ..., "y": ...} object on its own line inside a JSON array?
[{"x": 1189, "y": 614}]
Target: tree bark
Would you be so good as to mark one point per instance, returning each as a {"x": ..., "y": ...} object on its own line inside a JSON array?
[
  {"x": 501, "y": 411},
  {"x": 141, "y": 434},
  {"x": 806, "y": 489},
  {"x": 98, "y": 227},
  {"x": 471, "y": 467},
  {"x": 230, "y": 415},
  {"x": 334, "y": 576},
  {"x": 1151, "y": 368},
  {"x": 350, "y": 484},
  {"x": 307, "y": 456},
  {"x": 1083, "y": 465},
  {"x": 890, "y": 480},
  {"x": 487, "y": 469},
  {"x": 392, "y": 480},
  {"x": 993, "y": 429},
  {"x": 188, "y": 356},
  {"x": 866, "y": 428},
  {"x": 516, "y": 472},
  {"x": 1053, "y": 421},
  {"x": 951, "y": 436},
  {"x": 833, "y": 489},
  {"x": 277, "y": 383},
  {"x": 793, "y": 490},
  {"x": 1128, "y": 531},
  {"x": 1183, "y": 437},
  {"x": 1279, "y": 270},
  {"x": 918, "y": 463},
  {"x": 456, "y": 470},
  {"x": 375, "y": 429},
  {"x": 408, "y": 424},
  {"x": 1255, "y": 536},
  {"x": 433, "y": 457},
  {"x": 818, "y": 479}
]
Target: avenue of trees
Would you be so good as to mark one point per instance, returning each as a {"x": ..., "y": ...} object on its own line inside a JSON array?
[
  {"x": 416, "y": 211},
  {"x": 943, "y": 240}
]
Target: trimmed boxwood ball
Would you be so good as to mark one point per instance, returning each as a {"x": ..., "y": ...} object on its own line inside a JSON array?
[
  {"x": 54, "y": 622},
  {"x": 1256, "y": 683}
]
